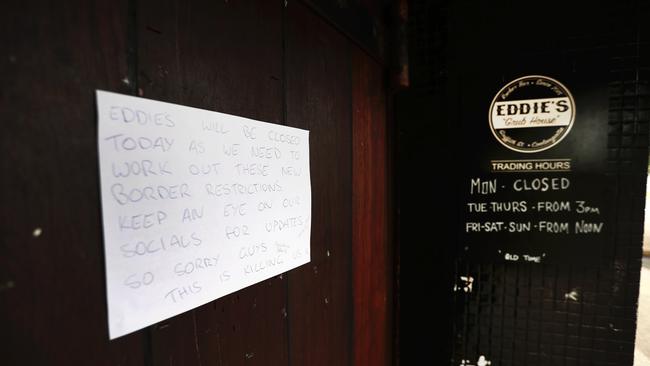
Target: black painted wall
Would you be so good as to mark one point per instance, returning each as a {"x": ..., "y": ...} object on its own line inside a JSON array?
[{"x": 578, "y": 308}]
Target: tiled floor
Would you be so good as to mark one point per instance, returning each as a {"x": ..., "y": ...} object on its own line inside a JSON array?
[{"x": 642, "y": 352}]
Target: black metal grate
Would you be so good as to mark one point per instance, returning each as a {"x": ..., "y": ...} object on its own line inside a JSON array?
[
  {"x": 427, "y": 41},
  {"x": 559, "y": 314},
  {"x": 531, "y": 314}
]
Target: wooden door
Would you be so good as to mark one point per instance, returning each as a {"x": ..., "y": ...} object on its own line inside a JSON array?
[{"x": 275, "y": 61}]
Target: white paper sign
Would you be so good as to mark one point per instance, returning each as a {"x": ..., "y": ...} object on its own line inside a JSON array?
[{"x": 196, "y": 205}]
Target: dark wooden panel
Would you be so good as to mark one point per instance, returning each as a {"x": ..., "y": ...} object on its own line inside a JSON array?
[
  {"x": 361, "y": 21},
  {"x": 318, "y": 99},
  {"x": 52, "y": 292},
  {"x": 226, "y": 57},
  {"x": 370, "y": 254}
]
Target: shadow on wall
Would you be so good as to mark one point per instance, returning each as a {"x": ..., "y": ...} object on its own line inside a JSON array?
[
  {"x": 642, "y": 350},
  {"x": 646, "y": 225}
]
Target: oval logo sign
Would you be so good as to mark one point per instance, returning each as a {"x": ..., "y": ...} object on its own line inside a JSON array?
[{"x": 532, "y": 114}]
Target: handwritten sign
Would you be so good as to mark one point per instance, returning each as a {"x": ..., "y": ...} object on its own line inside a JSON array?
[
  {"x": 196, "y": 205},
  {"x": 534, "y": 214}
]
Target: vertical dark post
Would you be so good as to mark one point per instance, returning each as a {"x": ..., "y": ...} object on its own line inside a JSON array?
[{"x": 371, "y": 254}]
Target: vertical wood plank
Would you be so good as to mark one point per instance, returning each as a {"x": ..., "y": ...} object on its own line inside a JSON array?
[
  {"x": 52, "y": 286},
  {"x": 318, "y": 99},
  {"x": 226, "y": 57},
  {"x": 372, "y": 273}
]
